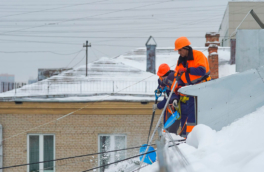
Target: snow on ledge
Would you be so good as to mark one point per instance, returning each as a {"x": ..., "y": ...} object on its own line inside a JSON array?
[
  {"x": 213, "y": 45},
  {"x": 128, "y": 98},
  {"x": 213, "y": 53},
  {"x": 212, "y": 42}
]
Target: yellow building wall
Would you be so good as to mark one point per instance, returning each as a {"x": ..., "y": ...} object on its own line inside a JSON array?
[{"x": 76, "y": 134}]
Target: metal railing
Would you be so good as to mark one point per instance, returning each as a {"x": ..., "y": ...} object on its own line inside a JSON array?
[{"x": 81, "y": 87}]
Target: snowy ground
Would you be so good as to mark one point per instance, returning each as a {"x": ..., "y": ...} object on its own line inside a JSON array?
[{"x": 236, "y": 148}]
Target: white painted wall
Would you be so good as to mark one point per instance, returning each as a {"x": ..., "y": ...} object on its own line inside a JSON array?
[
  {"x": 249, "y": 49},
  {"x": 233, "y": 16}
]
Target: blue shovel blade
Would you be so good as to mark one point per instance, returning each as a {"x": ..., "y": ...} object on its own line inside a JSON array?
[
  {"x": 171, "y": 119},
  {"x": 150, "y": 158}
]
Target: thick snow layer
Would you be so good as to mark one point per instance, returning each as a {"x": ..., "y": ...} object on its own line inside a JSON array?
[
  {"x": 124, "y": 74},
  {"x": 226, "y": 69},
  {"x": 236, "y": 148},
  {"x": 198, "y": 139},
  {"x": 97, "y": 98}
]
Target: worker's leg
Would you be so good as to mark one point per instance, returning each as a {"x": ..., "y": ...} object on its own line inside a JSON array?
[{"x": 191, "y": 115}]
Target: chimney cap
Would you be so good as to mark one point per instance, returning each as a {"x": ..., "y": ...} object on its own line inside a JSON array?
[
  {"x": 149, "y": 40},
  {"x": 210, "y": 34}
]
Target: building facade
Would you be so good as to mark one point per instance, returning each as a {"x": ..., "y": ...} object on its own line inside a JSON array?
[
  {"x": 7, "y": 78},
  {"x": 234, "y": 14},
  {"x": 100, "y": 126},
  {"x": 6, "y": 82}
]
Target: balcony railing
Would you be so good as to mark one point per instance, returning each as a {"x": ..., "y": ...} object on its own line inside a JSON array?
[{"x": 77, "y": 87}]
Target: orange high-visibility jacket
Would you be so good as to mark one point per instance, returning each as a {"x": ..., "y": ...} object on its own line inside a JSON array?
[{"x": 195, "y": 59}]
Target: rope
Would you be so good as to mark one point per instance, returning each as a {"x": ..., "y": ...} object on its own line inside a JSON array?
[
  {"x": 183, "y": 127},
  {"x": 79, "y": 156},
  {"x": 162, "y": 113},
  {"x": 118, "y": 161},
  {"x": 151, "y": 123},
  {"x": 140, "y": 167},
  {"x": 125, "y": 160},
  {"x": 148, "y": 164}
]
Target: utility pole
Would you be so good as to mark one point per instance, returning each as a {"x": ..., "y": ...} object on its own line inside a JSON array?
[{"x": 86, "y": 45}]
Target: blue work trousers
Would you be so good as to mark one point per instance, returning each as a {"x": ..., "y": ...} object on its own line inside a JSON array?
[{"x": 187, "y": 112}]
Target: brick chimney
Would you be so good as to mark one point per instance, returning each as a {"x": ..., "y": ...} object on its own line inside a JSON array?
[
  {"x": 213, "y": 60},
  {"x": 212, "y": 38}
]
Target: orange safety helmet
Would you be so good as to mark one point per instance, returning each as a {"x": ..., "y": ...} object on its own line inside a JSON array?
[
  {"x": 181, "y": 42},
  {"x": 163, "y": 69}
]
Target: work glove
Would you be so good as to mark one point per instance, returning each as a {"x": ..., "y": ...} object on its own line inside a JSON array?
[
  {"x": 157, "y": 91},
  {"x": 182, "y": 70},
  {"x": 175, "y": 103},
  {"x": 154, "y": 107}
]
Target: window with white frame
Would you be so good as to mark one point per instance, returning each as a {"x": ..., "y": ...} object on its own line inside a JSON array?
[
  {"x": 109, "y": 142},
  {"x": 41, "y": 147}
]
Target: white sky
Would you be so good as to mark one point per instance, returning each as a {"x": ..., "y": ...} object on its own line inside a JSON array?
[{"x": 34, "y": 34}]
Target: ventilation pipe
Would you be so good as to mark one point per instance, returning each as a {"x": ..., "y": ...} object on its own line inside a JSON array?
[{"x": 151, "y": 56}]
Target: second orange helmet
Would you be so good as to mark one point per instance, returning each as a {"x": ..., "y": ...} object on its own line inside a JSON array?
[{"x": 163, "y": 69}]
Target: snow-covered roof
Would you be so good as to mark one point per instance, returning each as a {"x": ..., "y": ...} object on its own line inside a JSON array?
[
  {"x": 119, "y": 76},
  {"x": 104, "y": 69},
  {"x": 236, "y": 147}
]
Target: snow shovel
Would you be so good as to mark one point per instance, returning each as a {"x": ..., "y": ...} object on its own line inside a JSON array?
[
  {"x": 172, "y": 119},
  {"x": 150, "y": 158},
  {"x": 153, "y": 114}
]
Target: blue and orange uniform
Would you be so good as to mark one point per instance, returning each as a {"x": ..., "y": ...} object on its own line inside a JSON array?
[
  {"x": 164, "y": 72},
  {"x": 169, "y": 111},
  {"x": 195, "y": 69}
]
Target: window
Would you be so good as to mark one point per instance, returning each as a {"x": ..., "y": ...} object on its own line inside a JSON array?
[
  {"x": 111, "y": 142},
  {"x": 41, "y": 147}
]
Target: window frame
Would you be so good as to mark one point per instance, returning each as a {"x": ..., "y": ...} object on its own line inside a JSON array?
[
  {"x": 98, "y": 157},
  {"x": 41, "y": 150}
]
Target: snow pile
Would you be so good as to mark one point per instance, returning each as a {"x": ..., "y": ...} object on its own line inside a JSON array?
[
  {"x": 198, "y": 139},
  {"x": 237, "y": 147}
]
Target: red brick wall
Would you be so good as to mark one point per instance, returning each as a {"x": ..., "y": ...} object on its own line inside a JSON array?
[
  {"x": 212, "y": 42},
  {"x": 213, "y": 61}
]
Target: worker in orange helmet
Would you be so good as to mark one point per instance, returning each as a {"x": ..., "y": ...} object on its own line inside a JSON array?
[
  {"x": 194, "y": 67},
  {"x": 165, "y": 75}
]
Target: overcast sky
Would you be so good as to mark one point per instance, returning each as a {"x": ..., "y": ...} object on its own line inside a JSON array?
[{"x": 51, "y": 33}]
